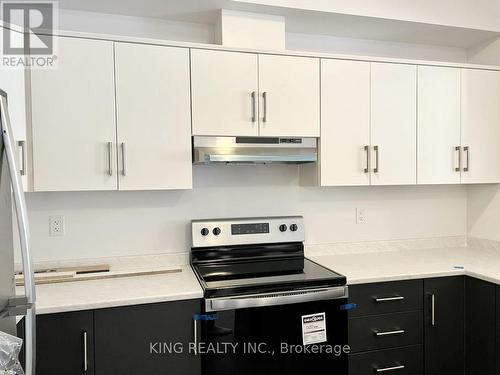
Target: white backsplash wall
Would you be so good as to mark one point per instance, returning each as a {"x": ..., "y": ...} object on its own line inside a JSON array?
[
  {"x": 104, "y": 224},
  {"x": 483, "y": 212}
]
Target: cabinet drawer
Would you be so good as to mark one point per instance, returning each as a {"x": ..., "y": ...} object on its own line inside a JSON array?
[
  {"x": 402, "y": 361},
  {"x": 385, "y": 331},
  {"x": 382, "y": 298}
]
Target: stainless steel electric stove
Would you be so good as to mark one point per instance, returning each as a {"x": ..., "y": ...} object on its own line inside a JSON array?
[{"x": 266, "y": 307}]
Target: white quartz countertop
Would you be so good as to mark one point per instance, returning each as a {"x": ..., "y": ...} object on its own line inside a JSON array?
[
  {"x": 134, "y": 290},
  {"x": 358, "y": 267},
  {"x": 382, "y": 266}
]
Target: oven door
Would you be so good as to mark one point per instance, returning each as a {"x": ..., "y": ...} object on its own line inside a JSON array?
[{"x": 295, "y": 332}]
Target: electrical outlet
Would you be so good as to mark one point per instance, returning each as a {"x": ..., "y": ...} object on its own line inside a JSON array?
[
  {"x": 361, "y": 216},
  {"x": 56, "y": 226}
]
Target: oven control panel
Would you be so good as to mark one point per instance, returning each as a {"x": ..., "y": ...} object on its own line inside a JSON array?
[
  {"x": 253, "y": 228},
  {"x": 241, "y": 231}
]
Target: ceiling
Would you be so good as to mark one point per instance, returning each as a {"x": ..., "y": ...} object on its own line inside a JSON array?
[{"x": 297, "y": 21}]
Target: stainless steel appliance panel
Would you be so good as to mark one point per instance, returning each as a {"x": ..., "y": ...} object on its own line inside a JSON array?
[{"x": 7, "y": 324}]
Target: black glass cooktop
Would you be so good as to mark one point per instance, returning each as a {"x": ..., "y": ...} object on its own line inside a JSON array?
[{"x": 220, "y": 280}]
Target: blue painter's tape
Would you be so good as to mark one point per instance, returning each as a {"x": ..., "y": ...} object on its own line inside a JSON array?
[
  {"x": 348, "y": 307},
  {"x": 205, "y": 317}
]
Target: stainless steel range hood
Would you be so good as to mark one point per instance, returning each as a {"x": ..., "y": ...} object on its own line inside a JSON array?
[{"x": 254, "y": 150}]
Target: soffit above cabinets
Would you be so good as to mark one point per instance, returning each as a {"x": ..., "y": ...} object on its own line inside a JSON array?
[{"x": 307, "y": 20}]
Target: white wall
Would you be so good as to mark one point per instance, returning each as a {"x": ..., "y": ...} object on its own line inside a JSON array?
[
  {"x": 486, "y": 53},
  {"x": 365, "y": 47},
  {"x": 483, "y": 212},
  {"x": 205, "y": 33},
  {"x": 100, "y": 224},
  {"x": 477, "y": 14},
  {"x": 135, "y": 26}
]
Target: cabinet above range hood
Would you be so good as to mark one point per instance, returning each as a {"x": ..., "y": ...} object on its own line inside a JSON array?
[{"x": 254, "y": 150}]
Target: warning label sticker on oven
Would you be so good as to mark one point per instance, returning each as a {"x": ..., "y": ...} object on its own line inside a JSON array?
[{"x": 313, "y": 328}]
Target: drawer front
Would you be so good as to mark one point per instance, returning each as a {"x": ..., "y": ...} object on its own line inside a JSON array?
[
  {"x": 401, "y": 361},
  {"x": 385, "y": 331},
  {"x": 383, "y": 298}
]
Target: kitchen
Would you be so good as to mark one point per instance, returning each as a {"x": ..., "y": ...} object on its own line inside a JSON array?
[{"x": 326, "y": 158}]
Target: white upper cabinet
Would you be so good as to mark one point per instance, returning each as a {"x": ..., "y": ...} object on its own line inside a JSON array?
[
  {"x": 345, "y": 123},
  {"x": 224, "y": 93},
  {"x": 73, "y": 118},
  {"x": 393, "y": 123},
  {"x": 480, "y": 126},
  {"x": 120, "y": 116},
  {"x": 245, "y": 94},
  {"x": 289, "y": 88},
  {"x": 153, "y": 117},
  {"x": 438, "y": 125}
]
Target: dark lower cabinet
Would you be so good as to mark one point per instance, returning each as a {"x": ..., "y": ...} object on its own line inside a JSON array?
[
  {"x": 64, "y": 343},
  {"x": 137, "y": 339},
  {"x": 480, "y": 341},
  {"x": 386, "y": 297},
  {"x": 444, "y": 310},
  {"x": 401, "y": 361},
  {"x": 385, "y": 331},
  {"x": 498, "y": 331},
  {"x": 460, "y": 325}
]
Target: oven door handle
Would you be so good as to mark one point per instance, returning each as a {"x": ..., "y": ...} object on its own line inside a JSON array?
[{"x": 273, "y": 299}]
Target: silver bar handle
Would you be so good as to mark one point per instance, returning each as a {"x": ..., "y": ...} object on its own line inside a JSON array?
[
  {"x": 124, "y": 159},
  {"x": 466, "y": 150},
  {"x": 264, "y": 109},
  {"x": 433, "y": 310},
  {"x": 458, "y": 149},
  {"x": 388, "y": 369},
  {"x": 390, "y": 333},
  {"x": 274, "y": 299},
  {"x": 24, "y": 236},
  {"x": 195, "y": 335},
  {"x": 85, "y": 352},
  {"x": 376, "y": 169},
  {"x": 254, "y": 116},
  {"x": 22, "y": 145},
  {"x": 388, "y": 299},
  {"x": 367, "y": 151},
  {"x": 110, "y": 158}
]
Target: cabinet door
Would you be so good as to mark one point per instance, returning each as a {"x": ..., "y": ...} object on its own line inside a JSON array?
[
  {"x": 402, "y": 361},
  {"x": 438, "y": 125},
  {"x": 481, "y": 126},
  {"x": 498, "y": 330},
  {"x": 153, "y": 117},
  {"x": 444, "y": 326},
  {"x": 345, "y": 123},
  {"x": 224, "y": 93},
  {"x": 479, "y": 327},
  {"x": 289, "y": 88},
  {"x": 132, "y": 340},
  {"x": 393, "y": 124},
  {"x": 73, "y": 112},
  {"x": 64, "y": 343}
]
